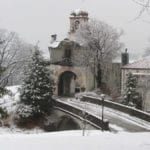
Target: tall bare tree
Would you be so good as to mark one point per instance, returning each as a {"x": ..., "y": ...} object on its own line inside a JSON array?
[
  {"x": 14, "y": 52},
  {"x": 101, "y": 44}
]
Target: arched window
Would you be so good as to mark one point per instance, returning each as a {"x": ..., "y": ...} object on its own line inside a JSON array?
[
  {"x": 67, "y": 53},
  {"x": 77, "y": 25}
]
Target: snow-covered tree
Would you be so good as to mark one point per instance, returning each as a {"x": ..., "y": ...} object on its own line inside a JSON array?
[
  {"x": 101, "y": 43},
  {"x": 37, "y": 89},
  {"x": 132, "y": 97},
  {"x": 14, "y": 55}
]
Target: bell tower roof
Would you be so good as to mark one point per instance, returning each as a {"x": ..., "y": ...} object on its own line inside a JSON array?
[
  {"x": 77, "y": 17},
  {"x": 78, "y": 13}
]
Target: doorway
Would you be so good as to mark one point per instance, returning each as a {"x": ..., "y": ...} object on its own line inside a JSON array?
[{"x": 66, "y": 85}]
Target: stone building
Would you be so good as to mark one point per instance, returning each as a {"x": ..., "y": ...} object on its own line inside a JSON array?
[
  {"x": 141, "y": 69},
  {"x": 71, "y": 78}
]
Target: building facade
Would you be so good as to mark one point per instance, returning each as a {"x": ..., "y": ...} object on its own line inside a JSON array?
[{"x": 71, "y": 77}]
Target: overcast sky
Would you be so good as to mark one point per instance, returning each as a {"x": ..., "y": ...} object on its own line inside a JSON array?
[{"x": 37, "y": 19}]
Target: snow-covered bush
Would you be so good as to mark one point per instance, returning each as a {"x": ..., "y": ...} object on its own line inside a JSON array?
[
  {"x": 3, "y": 113},
  {"x": 24, "y": 113}
]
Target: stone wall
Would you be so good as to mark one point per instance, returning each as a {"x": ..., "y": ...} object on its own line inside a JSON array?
[{"x": 112, "y": 78}]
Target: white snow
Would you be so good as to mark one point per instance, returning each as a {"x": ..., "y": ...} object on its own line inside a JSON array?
[
  {"x": 142, "y": 74},
  {"x": 79, "y": 95},
  {"x": 9, "y": 100},
  {"x": 13, "y": 89},
  {"x": 73, "y": 140},
  {"x": 54, "y": 44},
  {"x": 14, "y": 130},
  {"x": 78, "y": 12}
]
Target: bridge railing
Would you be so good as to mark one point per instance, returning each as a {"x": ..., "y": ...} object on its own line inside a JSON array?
[
  {"x": 123, "y": 108},
  {"x": 77, "y": 112}
]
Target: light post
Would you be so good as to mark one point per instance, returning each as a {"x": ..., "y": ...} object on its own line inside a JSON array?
[
  {"x": 84, "y": 119},
  {"x": 103, "y": 97}
]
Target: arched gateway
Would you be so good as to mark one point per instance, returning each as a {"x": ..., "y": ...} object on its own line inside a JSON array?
[{"x": 66, "y": 84}]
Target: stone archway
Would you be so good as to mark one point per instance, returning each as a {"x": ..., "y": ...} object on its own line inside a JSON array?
[
  {"x": 67, "y": 123},
  {"x": 66, "y": 84}
]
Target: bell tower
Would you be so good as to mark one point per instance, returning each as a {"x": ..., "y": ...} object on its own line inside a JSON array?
[{"x": 76, "y": 18}]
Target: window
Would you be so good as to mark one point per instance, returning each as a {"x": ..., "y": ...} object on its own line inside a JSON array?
[
  {"x": 68, "y": 53},
  {"x": 77, "y": 25}
]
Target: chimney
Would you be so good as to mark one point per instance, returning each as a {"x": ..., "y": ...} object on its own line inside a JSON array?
[
  {"x": 53, "y": 38},
  {"x": 125, "y": 57}
]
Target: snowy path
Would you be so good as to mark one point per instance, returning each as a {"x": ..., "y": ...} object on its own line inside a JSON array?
[{"x": 119, "y": 121}]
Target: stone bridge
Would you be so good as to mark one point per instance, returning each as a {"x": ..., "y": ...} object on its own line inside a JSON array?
[
  {"x": 116, "y": 116},
  {"x": 81, "y": 114}
]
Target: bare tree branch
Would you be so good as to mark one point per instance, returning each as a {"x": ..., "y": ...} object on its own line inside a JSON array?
[
  {"x": 145, "y": 6},
  {"x": 14, "y": 55},
  {"x": 143, "y": 3}
]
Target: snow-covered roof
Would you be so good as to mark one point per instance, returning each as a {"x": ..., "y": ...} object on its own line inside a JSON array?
[
  {"x": 54, "y": 44},
  {"x": 79, "y": 12},
  {"x": 140, "y": 64}
]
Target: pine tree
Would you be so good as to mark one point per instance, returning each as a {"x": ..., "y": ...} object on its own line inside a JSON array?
[
  {"x": 38, "y": 87},
  {"x": 132, "y": 97}
]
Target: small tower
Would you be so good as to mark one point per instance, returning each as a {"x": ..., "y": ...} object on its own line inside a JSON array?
[
  {"x": 76, "y": 18},
  {"x": 125, "y": 57}
]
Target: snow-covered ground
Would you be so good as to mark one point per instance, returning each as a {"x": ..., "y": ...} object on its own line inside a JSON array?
[
  {"x": 73, "y": 140},
  {"x": 14, "y": 130}
]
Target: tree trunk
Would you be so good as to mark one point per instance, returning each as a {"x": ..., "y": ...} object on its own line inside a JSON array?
[{"x": 99, "y": 76}]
